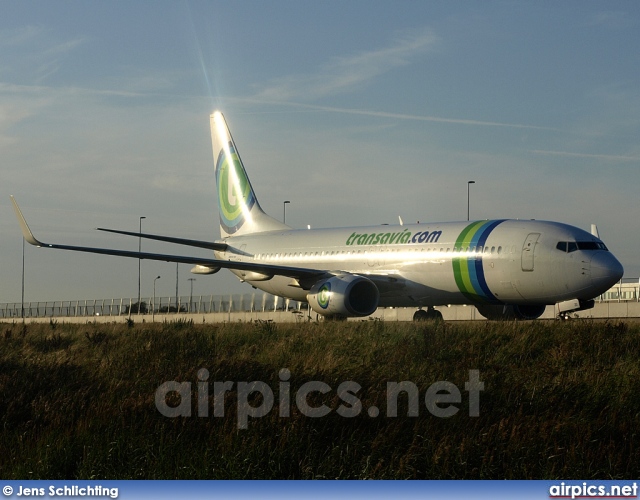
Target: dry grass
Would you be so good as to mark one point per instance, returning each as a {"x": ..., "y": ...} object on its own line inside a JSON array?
[{"x": 560, "y": 401}]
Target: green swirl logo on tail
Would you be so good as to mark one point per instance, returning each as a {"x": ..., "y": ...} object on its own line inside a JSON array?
[{"x": 235, "y": 196}]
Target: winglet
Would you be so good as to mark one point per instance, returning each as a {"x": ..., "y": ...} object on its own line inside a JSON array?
[{"x": 26, "y": 232}]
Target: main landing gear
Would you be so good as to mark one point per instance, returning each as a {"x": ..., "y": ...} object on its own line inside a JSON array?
[{"x": 429, "y": 315}]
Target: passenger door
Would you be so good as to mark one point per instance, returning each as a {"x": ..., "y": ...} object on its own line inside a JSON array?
[{"x": 528, "y": 251}]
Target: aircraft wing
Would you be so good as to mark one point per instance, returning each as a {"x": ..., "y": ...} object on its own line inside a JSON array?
[{"x": 301, "y": 274}]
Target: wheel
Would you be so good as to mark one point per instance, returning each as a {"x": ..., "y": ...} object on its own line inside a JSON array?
[
  {"x": 429, "y": 315},
  {"x": 434, "y": 315},
  {"x": 421, "y": 315}
]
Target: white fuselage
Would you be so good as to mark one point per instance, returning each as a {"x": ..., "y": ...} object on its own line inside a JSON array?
[{"x": 482, "y": 262}]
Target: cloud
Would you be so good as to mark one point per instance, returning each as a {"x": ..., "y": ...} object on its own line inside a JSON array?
[
  {"x": 22, "y": 35},
  {"x": 619, "y": 158},
  {"x": 34, "y": 53},
  {"x": 16, "y": 105},
  {"x": 344, "y": 74},
  {"x": 614, "y": 20},
  {"x": 183, "y": 184}
]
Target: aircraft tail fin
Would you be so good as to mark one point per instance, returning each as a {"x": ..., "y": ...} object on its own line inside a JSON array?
[{"x": 240, "y": 212}]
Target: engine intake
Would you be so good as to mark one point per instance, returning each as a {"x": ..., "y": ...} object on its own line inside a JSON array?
[{"x": 344, "y": 295}]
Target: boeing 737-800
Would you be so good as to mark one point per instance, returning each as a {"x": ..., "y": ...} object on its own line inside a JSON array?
[{"x": 505, "y": 268}]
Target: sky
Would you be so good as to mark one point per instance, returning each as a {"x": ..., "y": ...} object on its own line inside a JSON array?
[{"x": 356, "y": 112}]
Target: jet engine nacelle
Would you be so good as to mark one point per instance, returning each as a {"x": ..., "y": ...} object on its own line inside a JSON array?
[
  {"x": 204, "y": 270},
  {"x": 344, "y": 295},
  {"x": 501, "y": 312}
]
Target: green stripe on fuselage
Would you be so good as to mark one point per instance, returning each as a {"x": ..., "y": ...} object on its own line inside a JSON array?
[{"x": 461, "y": 264}]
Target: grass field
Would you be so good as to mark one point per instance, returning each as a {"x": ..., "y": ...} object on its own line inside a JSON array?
[{"x": 560, "y": 400}]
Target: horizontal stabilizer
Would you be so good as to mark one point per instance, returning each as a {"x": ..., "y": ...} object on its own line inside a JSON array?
[{"x": 221, "y": 247}]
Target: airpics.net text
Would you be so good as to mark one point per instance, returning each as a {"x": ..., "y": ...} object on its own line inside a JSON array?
[{"x": 441, "y": 399}]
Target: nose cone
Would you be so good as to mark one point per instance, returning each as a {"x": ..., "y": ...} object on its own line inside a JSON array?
[{"x": 606, "y": 271}]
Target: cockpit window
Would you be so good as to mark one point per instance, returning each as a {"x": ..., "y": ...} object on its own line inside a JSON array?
[
  {"x": 591, "y": 245},
  {"x": 572, "y": 246}
]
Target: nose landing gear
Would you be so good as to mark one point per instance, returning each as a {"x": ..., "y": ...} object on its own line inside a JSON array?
[{"x": 572, "y": 306}]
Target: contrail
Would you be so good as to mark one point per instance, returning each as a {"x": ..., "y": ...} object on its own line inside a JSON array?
[{"x": 399, "y": 116}]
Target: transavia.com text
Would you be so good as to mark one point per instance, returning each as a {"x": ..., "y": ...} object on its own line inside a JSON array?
[{"x": 440, "y": 398}]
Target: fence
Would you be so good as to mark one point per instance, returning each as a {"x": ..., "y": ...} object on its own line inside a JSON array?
[
  {"x": 203, "y": 304},
  {"x": 627, "y": 290}
]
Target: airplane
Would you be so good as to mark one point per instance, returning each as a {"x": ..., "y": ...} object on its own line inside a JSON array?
[{"x": 505, "y": 268}]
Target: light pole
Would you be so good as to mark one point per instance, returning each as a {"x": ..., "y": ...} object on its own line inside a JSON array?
[
  {"x": 22, "y": 313},
  {"x": 468, "y": 189},
  {"x": 139, "y": 250},
  {"x": 191, "y": 294},
  {"x": 284, "y": 211},
  {"x": 153, "y": 305}
]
